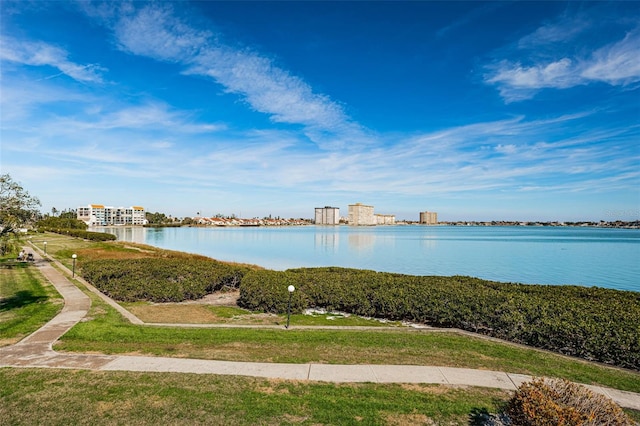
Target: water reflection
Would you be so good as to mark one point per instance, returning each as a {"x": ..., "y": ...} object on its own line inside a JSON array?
[
  {"x": 428, "y": 243},
  {"x": 361, "y": 241},
  {"x": 327, "y": 241},
  {"x": 127, "y": 233}
]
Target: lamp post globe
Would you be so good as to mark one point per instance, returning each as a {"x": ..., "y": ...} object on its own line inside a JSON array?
[{"x": 291, "y": 289}]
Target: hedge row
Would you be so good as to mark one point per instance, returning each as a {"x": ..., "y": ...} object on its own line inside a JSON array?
[
  {"x": 160, "y": 279},
  {"x": 589, "y": 322},
  {"x": 81, "y": 233}
]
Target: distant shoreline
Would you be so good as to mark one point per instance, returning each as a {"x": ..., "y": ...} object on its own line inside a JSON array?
[
  {"x": 586, "y": 224},
  {"x": 618, "y": 224}
]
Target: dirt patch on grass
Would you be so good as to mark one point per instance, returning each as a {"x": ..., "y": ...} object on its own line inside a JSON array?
[
  {"x": 197, "y": 314},
  {"x": 140, "y": 249},
  {"x": 408, "y": 419},
  {"x": 89, "y": 254},
  {"x": 188, "y": 312},
  {"x": 8, "y": 342},
  {"x": 216, "y": 308},
  {"x": 220, "y": 298},
  {"x": 174, "y": 314},
  {"x": 270, "y": 390},
  {"x": 430, "y": 389}
]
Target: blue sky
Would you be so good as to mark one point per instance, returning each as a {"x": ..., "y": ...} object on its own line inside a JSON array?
[{"x": 479, "y": 111}]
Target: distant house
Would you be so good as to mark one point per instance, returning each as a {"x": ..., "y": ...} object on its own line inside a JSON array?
[{"x": 218, "y": 221}]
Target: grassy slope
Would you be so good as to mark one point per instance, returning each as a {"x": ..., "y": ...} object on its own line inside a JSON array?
[
  {"x": 30, "y": 396},
  {"x": 27, "y": 301}
]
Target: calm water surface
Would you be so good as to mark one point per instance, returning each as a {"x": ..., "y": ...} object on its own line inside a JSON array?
[{"x": 541, "y": 255}]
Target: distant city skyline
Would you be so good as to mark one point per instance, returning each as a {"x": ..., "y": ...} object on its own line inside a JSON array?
[{"x": 524, "y": 111}]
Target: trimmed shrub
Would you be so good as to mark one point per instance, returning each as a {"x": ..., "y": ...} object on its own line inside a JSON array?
[
  {"x": 160, "y": 279},
  {"x": 592, "y": 323},
  {"x": 81, "y": 233},
  {"x": 554, "y": 402},
  {"x": 53, "y": 222},
  {"x": 269, "y": 292}
]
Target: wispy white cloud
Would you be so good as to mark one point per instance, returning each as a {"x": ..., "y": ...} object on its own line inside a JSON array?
[
  {"x": 506, "y": 149},
  {"x": 154, "y": 115},
  {"x": 474, "y": 14},
  {"x": 617, "y": 63},
  {"x": 38, "y": 53},
  {"x": 566, "y": 28},
  {"x": 22, "y": 96},
  {"x": 268, "y": 89},
  {"x": 556, "y": 56},
  {"x": 155, "y": 31},
  {"x": 517, "y": 82},
  {"x": 478, "y": 156},
  {"x": 513, "y": 155},
  {"x": 503, "y": 154}
]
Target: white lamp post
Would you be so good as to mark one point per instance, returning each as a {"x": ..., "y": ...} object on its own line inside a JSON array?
[
  {"x": 291, "y": 290},
  {"x": 74, "y": 256},
  {"x": 45, "y": 247}
]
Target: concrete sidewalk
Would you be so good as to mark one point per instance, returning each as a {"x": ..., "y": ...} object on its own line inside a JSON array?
[{"x": 36, "y": 351}]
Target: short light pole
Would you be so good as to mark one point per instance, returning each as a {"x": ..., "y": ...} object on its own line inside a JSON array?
[
  {"x": 291, "y": 290},
  {"x": 73, "y": 274},
  {"x": 45, "y": 247}
]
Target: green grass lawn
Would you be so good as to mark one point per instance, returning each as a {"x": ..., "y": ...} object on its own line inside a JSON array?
[
  {"x": 54, "y": 397},
  {"x": 27, "y": 301}
]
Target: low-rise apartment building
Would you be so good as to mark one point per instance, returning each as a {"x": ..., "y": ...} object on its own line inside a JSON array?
[
  {"x": 101, "y": 215},
  {"x": 385, "y": 219}
]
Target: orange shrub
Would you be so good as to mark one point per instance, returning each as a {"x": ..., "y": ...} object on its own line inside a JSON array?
[{"x": 555, "y": 402}]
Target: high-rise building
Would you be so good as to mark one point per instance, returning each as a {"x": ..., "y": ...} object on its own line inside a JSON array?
[
  {"x": 100, "y": 215},
  {"x": 360, "y": 214},
  {"x": 429, "y": 218},
  {"x": 327, "y": 215}
]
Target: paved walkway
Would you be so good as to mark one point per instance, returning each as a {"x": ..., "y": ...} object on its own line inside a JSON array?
[{"x": 36, "y": 351}]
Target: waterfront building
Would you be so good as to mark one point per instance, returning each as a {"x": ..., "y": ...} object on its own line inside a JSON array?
[
  {"x": 327, "y": 215},
  {"x": 429, "y": 218},
  {"x": 361, "y": 215},
  {"x": 100, "y": 215},
  {"x": 385, "y": 219}
]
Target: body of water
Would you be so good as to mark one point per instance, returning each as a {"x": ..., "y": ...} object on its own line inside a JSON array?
[{"x": 532, "y": 255}]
